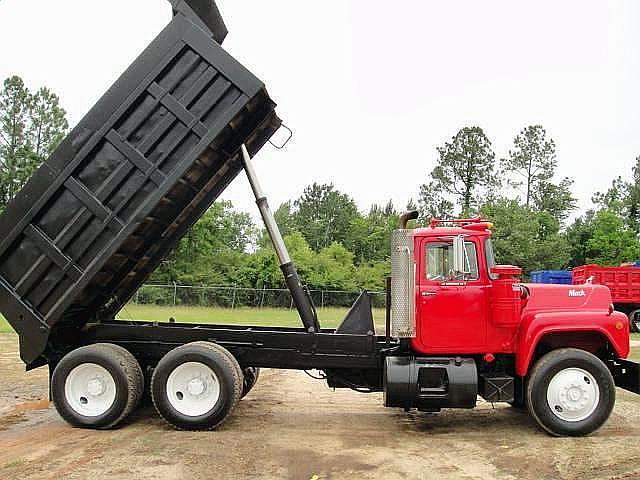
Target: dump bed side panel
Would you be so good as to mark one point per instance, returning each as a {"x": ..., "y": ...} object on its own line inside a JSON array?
[
  {"x": 624, "y": 282},
  {"x": 126, "y": 184}
]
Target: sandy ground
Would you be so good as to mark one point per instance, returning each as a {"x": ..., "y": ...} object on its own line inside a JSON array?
[{"x": 291, "y": 426}]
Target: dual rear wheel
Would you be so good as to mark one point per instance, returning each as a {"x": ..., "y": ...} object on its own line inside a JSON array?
[
  {"x": 194, "y": 387},
  {"x": 97, "y": 385}
]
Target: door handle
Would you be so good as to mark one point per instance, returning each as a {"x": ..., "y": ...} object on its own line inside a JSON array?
[{"x": 428, "y": 294}]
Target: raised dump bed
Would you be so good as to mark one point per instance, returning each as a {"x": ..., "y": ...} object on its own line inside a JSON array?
[{"x": 129, "y": 180}]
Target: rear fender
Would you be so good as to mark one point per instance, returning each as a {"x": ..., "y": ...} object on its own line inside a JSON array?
[{"x": 587, "y": 330}]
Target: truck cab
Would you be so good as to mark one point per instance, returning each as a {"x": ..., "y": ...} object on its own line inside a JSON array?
[
  {"x": 451, "y": 302},
  {"x": 478, "y": 306}
]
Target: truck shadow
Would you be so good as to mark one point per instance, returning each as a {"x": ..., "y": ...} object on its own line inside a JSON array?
[{"x": 476, "y": 421}]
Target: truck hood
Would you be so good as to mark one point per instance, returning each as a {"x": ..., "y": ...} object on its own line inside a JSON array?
[{"x": 550, "y": 297}]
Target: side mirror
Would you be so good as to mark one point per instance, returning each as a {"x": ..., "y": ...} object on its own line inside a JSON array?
[{"x": 459, "y": 255}]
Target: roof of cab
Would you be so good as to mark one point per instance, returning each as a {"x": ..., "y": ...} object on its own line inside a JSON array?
[{"x": 449, "y": 231}]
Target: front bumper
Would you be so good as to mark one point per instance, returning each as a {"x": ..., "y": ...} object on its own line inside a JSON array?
[{"x": 626, "y": 374}]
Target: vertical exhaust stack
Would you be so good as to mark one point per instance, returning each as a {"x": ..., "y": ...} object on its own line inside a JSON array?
[
  {"x": 301, "y": 299},
  {"x": 403, "y": 321}
]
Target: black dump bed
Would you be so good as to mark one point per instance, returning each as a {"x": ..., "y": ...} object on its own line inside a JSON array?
[{"x": 124, "y": 186}]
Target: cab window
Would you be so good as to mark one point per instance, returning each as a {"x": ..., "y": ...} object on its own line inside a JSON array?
[{"x": 439, "y": 261}]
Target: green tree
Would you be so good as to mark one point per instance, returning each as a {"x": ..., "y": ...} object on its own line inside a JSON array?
[
  {"x": 31, "y": 127},
  {"x": 623, "y": 197},
  {"x": 465, "y": 171},
  {"x": 370, "y": 235},
  {"x": 333, "y": 269},
  {"x": 526, "y": 237},
  {"x": 432, "y": 202},
  {"x": 212, "y": 250},
  {"x": 324, "y": 215},
  {"x": 47, "y": 124},
  {"x": 533, "y": 162},
  {"x": 612, "y": 241},
  {"x": 14, "y": 110},
  {"x": 555, "y": 199},
  {"x": 578, "y": 235}
]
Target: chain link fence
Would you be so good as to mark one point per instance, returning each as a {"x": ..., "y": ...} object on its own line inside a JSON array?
[{"x": 229, "y": 296}]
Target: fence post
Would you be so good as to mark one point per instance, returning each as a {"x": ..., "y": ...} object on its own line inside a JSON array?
[
  {"x": 322, "y": 299},
  {"x": 233, "y": 299},
  {"x": 175, "y": 292},
  {"x": 262, "y": 299},
  {"x": 138, "y": 296}
]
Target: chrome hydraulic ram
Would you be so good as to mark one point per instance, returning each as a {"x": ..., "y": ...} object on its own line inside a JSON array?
[{"x": 300, "y": 297}]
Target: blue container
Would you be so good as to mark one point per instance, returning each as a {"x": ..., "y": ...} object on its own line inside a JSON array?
[{"x": 552, "y": 276}]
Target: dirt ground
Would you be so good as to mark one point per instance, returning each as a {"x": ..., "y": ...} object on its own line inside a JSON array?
[{"x": 291, "y": 426}]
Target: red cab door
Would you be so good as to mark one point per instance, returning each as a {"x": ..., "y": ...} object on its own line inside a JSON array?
[{"x": 451, "y": 313}]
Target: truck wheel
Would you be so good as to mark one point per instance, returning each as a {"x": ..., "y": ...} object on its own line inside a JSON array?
[
  {"x": 96, "y": 386},
  {"x": 251, "y": 375},
  {"x": 570, "y": 392},
  {"x": 196, "y": 386}
]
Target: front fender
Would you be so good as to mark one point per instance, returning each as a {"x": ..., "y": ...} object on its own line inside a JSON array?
[{"x": 614, "y": 327}]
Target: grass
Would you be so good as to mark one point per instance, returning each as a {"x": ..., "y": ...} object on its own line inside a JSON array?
[
  {"x": 329, "y": 317},
  {"x": 4, "y": 326}
]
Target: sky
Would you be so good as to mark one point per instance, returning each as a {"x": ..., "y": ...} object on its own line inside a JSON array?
[{"x": 371, "y": 88}]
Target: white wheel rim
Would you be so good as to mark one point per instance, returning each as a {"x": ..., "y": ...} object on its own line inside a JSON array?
[
  {"x": 193, "y": 388},
  {"x": 90, "y": 389},
  {"x": 573, "y": 394}
]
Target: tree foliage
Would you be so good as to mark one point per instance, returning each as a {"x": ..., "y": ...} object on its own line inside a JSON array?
[
  {"x": 533, "y": 160},
  {"x": 336, "y": 246},
  {"x": 324, "y": 215},
  {"x": 525, "y": 237},
  {"x": 532, "y": 164},
  {"x": 207, "y": 252},
  {"x": 612, "y": 242},
  {"x": 31, "y": 127},
  {"x": 623, "y": 197},
  {"x": 465, "y": 171}
]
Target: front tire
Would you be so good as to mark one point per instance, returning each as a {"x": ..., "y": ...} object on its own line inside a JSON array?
[
  {"x": 570, "y": 392},
  {"x": 97, "y": 386},
  {"x": 196, "y": 386}
]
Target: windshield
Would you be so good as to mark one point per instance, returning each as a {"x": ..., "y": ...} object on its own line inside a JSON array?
[{"x": 491, "y": 259}]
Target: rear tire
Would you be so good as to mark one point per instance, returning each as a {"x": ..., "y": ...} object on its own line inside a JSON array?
[
  {"x": 97, "y": 386},
  {"x": 196, "y": 386},
  {"x": 251, "y": 375},
  {"x": 570, "y": 392}
]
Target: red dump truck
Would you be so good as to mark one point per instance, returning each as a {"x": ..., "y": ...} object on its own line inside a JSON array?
[
  {"x": 624, "y": 284},
  {"x": 144, "y": 164}
]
